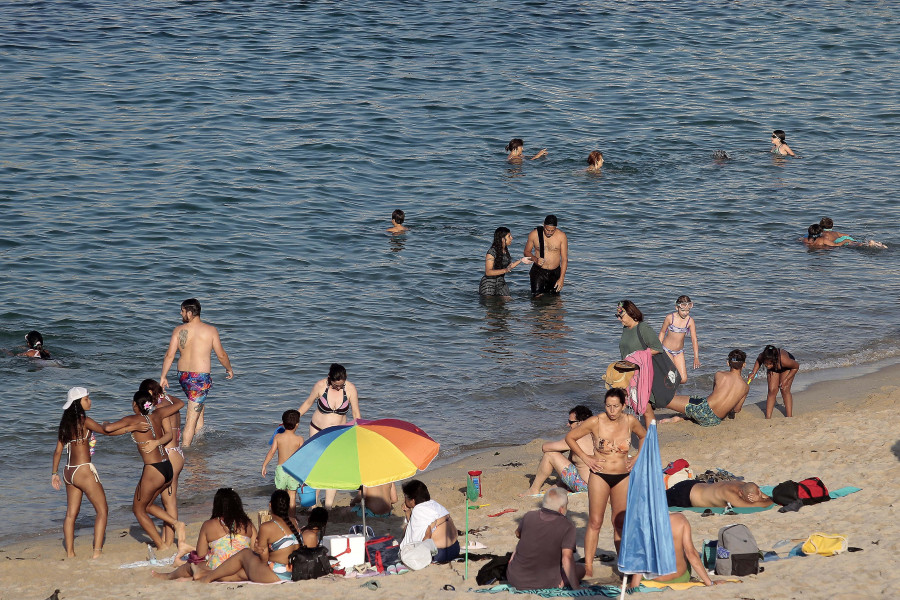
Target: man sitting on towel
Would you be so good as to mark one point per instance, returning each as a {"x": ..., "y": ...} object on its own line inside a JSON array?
[
  {"x": 693, "y": 493},
  {"x": 573, "y": 473},
  {"x": 545, "y": 555},
  {"x": 727, "y": 397}
]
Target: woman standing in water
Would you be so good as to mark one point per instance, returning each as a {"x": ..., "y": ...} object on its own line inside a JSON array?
[
  {"x": 497, "y": 263},
  {"x": 781, "y": 368},
  {"x": 610, "y": 466},
  {"x": 334, "y": 397},
  {"x": 157, "y": 474},
  {"x": 173, "y": 450},
  {"x": 76, "y": 436}
]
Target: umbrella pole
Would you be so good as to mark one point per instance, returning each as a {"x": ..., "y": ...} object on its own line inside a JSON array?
[
  {"x": 624, "y": 579},
  {"x": 467, "y": 539},
  {"x": 362, "y": 493}
]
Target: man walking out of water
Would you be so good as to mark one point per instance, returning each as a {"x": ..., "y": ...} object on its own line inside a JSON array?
[
  {"x": 548, "y": 247},
  {"x": 194, "y": 340}
]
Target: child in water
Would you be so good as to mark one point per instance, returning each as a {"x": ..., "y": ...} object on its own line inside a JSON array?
[
  {"x": 674, "y": 329},
  {"x": 779, "y": 146},
  {"x": 397, "y": 218},
  {"x": 595, "y": 161}
]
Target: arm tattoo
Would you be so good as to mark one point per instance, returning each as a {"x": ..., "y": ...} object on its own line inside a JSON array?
[{"x": 182, "y": 338}]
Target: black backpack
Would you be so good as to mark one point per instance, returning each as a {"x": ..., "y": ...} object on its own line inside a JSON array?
[
  {"x": 309, "y": 563},
  {"x": 493, "y": 570}
]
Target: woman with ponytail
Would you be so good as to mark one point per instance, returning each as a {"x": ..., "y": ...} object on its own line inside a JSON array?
[
  {"x": 267, "y": 563},
  {"x": 158, "y": 473},
  {"x": 76, "y": 436},
  {"x": 781, "y": 368},
  {"x": 35, "y": 342}
]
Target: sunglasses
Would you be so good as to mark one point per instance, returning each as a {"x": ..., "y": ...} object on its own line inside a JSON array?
[
  {"x": 685, "y": 305},
  {"x": 573, "y": 422}
]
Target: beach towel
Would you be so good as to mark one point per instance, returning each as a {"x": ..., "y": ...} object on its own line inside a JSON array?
[
  {"x": 839, "y": 493},
  {"x": 607, "y": 591},
  {"x": 641, "y": 382},
  {"x": 722, "y": 511}
]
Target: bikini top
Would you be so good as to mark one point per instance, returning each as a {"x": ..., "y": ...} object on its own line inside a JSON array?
[
  {"x": 162, "y": 452},
  {"x": 89, "y": 437},
  {"x": 286, "y": 541},
  {"x": 674, "y": 329},
  {"x": 614, "y": 446},
  {"x": 324, "y": 407}
]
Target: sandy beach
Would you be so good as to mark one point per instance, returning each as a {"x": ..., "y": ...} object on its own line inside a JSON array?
[{"x": 844, "y": 432}]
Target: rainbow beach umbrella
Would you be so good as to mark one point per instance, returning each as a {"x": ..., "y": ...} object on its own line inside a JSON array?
[{"x": 364, "y": 452}]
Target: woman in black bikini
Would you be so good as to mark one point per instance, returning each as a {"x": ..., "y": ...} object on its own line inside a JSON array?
[
  {"x": 781, "y": 367},
  {"x": 158, "y": 473},
  {"x": 610, "y": 466},
  {"x": 334, "y": 397}
]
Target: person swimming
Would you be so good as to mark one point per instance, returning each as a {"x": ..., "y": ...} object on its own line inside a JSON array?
[
  {"x": 779, "y": 146},
  {"x": 595, "y": 161},
  {"x": 35, "y": 342}
]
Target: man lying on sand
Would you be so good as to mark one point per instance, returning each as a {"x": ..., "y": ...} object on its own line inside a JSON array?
[
  {"x": 573, "y": 473},
  {"x": 727, "y": 398},
  {"x": 738, "y": 494}
]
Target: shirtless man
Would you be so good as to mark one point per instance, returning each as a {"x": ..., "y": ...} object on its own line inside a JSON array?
[
  {"x": 686, "y": 555},
  {"x": 727, "y": 398},
  {"x": 548, "y": 247},
  {"x": 738, "y": 494},
  {"x": 516, "y": 146},
  {"x": 573, "y": 473},
  {"x": 194, "y": 340}
]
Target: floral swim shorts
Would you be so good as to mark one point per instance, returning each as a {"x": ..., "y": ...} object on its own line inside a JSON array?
[
  {"x": 698, "y": 409},
  {"x": 572, "y": 479},
  {"x": 195, "y": 385}
]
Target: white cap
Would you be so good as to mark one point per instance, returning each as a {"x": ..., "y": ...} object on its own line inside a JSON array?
[{"x": 76, "y": 393}]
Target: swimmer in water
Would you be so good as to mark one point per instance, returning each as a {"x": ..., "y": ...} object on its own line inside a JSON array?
[
  {"x": 35, "y": 342},
  {"x": 516, "y": 146},
  {"x": 397, "y": 218},
  {"x": 595, "y": 161},
  {"x": 778, "y": 144},
  {"x": 837, "y": 237},
  {"x": 816, "y": 238}
]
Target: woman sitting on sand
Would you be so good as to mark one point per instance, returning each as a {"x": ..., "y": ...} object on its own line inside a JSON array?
[
  {"x": 497, "y": 263},
  {"x": 610, "y": 466},
  {"x": 267, "y": 562},
  {"x": 157, "y": 474},
  {"x": 35, "y": 342},
  {"x": 334, "y": 397},
  {"x": 227, "y": 532},
  {"x": 76, "y": 436},
  {"x": 781, "y": 368},
  {"x": 428, "y": 520}
]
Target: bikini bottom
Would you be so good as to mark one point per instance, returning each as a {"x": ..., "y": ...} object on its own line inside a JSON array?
[
  {"x": 612, "y": 479},
  {"x": 70, "y": 470}
]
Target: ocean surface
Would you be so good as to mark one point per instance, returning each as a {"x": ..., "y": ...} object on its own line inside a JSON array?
[{"x": 250, "y": 154}]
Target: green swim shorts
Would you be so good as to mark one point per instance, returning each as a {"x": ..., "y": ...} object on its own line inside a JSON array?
[{"x": 283, "y": 481}]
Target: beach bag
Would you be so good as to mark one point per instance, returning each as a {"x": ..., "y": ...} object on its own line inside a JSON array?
[
  {"x": 678, "y": 476},
  {"x": 382, "y": 552},
  {"x": 809, "y": 491},
  {"x": 666, "y": 378},
  {"x": 619, "y": 374},
  {"x": 494, "y": 570},
  {"x": 737, "y": 552},
  {"x": 825, "y": 544},
  {"x": 418, "y": 555},
  {"x": 309, "y": 563}
]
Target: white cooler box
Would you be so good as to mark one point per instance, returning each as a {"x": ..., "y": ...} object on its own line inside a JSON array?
[{"x": 350, "y": 549}]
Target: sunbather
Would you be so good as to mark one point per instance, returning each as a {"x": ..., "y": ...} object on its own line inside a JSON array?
[{"x": 716, "y": 495}]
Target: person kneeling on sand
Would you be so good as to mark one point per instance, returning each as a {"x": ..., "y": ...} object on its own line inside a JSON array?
[
  {"x": 686, "y": 555},
  {"x": 739, "y": 494},
  {"x": 545, "y": 555},
  {"x": 573, "y": 473},
  {"x": 727, "y": 398}
]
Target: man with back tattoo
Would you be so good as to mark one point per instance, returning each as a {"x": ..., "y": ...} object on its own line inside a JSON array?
[{"x": 194, "y": 340}]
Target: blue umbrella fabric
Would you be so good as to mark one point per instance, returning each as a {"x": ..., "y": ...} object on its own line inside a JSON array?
[{"x": 647, "y": 545}]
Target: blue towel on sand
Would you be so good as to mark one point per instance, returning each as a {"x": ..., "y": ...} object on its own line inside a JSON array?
[
  {"x": 844, "y": 491},
  {"x": 608, "y": 591},
  {"x": 767, "y": 490}
]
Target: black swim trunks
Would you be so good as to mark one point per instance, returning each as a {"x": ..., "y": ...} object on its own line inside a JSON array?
[
  {"x": 543, "y": 280},
  {"x": 680, "y": 493}
]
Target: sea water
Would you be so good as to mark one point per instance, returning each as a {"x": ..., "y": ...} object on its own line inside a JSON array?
[{"x": 249, "y": 154}]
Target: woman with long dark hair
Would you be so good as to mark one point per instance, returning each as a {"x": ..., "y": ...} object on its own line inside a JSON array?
[
  {"x": 227, "y": 532},
  {"x": 497, "y": 263},
  {"x": 35, "y": 342},
  {"x": 76, "y": 436},
  {"x": 781, "y": 368},
  {"x": 267, "y": 562},
  {"x": 157, "y": 474}
]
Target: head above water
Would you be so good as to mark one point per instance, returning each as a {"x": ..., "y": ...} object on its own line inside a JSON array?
[
  {"x": 34, "y": 339},
  {"x": 595, "y": 159},
  {"x": 737, "y": 358},
  {"x": 515, "y": 144},
  {"x": 191, "y": 306},
  {"x": 814, "y": 231},
  {"x": 826, "y": 223},
  {"x": 398, "y": 216},
  {"x": 778, "y": 133}
]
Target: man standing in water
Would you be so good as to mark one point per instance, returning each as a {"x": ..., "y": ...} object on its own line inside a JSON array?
[
  {"x": 194, "y": 340},
  {"x": 548, "y": 247}
]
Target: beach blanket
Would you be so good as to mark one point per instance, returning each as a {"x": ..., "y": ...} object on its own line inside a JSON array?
[
  {"x": 839, "y": 493},
  {"x": 607, "y": 591},
  {"x": 767, "y": 490}
]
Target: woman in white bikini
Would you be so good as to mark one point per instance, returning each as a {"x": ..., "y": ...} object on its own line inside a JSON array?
[
  {"x": 674, "y": 329},
  {"x": 76, "y": 436},
  {"x": 334, "y": 397},
  {"x": 610, "y": 466}
]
